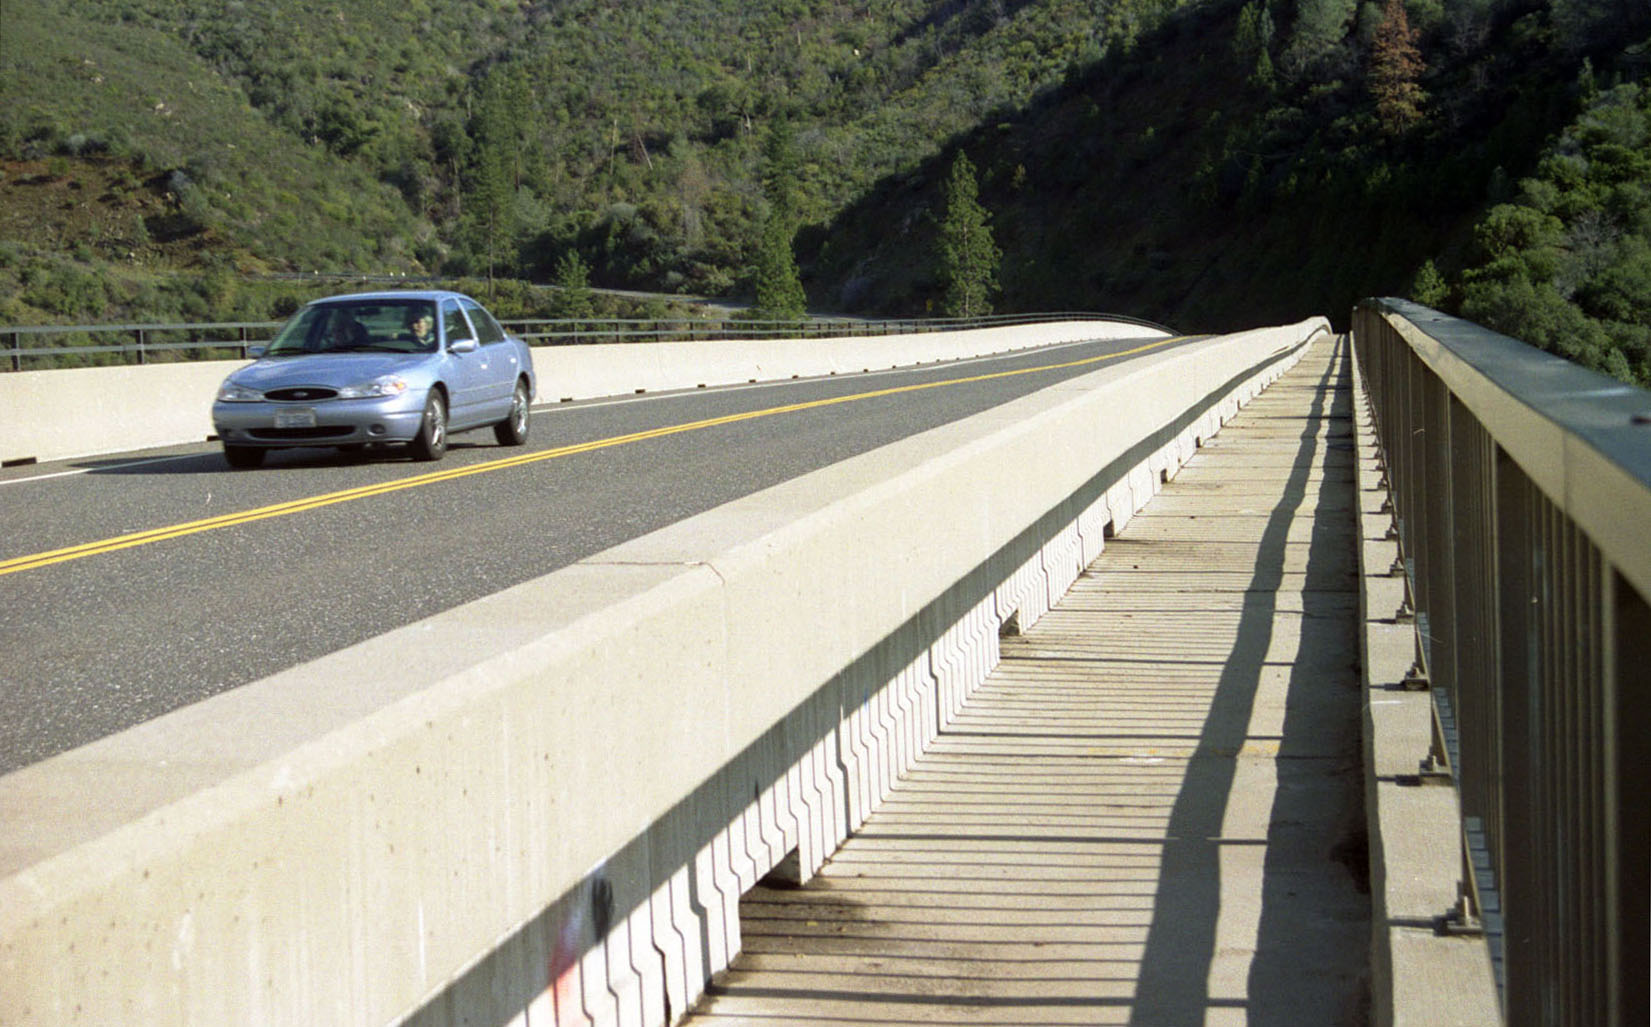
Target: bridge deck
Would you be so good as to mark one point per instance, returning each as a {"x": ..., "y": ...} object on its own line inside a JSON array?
[{"x": 1151, "y": 813}]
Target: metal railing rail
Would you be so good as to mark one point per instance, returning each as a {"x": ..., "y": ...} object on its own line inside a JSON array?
[
  {"x": 149, "y": 343},
  {"x": 139, "y": 343},
  {"x": 1521, "y": 490}
]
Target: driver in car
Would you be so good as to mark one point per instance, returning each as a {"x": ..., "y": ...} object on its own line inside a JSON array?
[{"x": 422, "y": 327}]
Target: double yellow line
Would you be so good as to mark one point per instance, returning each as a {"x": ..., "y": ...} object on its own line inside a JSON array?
[{"x": 262, "y": 513}]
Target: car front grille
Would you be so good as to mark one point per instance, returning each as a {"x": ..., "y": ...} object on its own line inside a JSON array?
[
  {"x": 301, "y": 394},
  {"x": 298, "y": 434}
]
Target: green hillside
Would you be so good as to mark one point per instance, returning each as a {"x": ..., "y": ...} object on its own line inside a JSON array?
[
  {"x": 1175, "y": 181},
  {"x": 138, "y": 96},
  {"x": 1210, "y": 164}
]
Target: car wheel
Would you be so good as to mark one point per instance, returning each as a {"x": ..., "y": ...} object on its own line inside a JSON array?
[
  {"x": 512, "y": 431},
  {"x": 431, "y": 441},
  {"x": 243, "y": 458}
]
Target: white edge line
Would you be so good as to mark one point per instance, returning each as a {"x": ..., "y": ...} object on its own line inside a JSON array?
[{"x": 101, "y": 467}]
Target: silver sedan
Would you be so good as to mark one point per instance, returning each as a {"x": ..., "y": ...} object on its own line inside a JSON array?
[{"x": 393, "y": 367}]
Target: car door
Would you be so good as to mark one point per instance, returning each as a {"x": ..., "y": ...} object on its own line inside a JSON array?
[
  {"x": 503, "y": 365},
  {"x": 468, "y": 373}
]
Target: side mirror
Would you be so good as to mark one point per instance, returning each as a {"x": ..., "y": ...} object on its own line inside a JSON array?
[
  {"x": 255, "y": 352},
  {"x": 462, "y": 346}
]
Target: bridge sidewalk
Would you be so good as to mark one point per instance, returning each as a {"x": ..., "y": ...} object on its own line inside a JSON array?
[{"x": 1150, "y": 813}]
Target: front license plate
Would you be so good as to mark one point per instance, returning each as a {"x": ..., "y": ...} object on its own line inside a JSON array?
[{"x": 298, "y": 417}]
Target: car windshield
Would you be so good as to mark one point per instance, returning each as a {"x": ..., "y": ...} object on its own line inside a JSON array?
[{"x": 385, "y": 326}]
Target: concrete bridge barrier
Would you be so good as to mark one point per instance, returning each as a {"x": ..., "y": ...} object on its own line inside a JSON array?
[
  {"x": 542, "y": 807},
  {"x": 62, "y": 414}
]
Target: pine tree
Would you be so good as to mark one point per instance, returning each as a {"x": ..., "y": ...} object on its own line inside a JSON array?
[
  {"x": 968, "y": 256},
  {"x": 780, "y": 174},
  {"x": 1395, "y": 66},
  {"x": 1251, "y": 42},
  {"x": 502, "y": 110},
  {"x": 573, "y": 298},
  {"x": 1316, "y": 38},
  {"x": 1429, "y": 287},
  {"x": 779, "y": 290}
]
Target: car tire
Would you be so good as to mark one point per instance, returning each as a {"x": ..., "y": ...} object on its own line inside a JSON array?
[
  {"x": 512, "y": 431},
  {"x": 431, "y": 441},
  {"x": 244, "y": 458}
]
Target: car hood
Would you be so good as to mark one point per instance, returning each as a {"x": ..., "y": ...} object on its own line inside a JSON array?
[{"x": 334, "y": 369}]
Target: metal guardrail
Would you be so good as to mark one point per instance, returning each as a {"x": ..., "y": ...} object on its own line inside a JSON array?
[
  {"x": 1521, "y": 489},
  {"x": 161, "y": 343},
  {"x": 130, "y": 343}
]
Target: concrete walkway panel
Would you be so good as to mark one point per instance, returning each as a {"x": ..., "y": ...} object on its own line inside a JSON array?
[{"x": 1151, "y": 813}]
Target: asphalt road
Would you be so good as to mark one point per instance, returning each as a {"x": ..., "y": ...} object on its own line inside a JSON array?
[{"x": 104, "y": 635}]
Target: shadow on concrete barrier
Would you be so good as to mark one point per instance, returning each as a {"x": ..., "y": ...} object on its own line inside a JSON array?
[{"x": 543, "y": 807}]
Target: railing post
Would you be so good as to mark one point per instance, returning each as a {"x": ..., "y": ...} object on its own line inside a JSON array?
[{"x": 1628, "y": 620}]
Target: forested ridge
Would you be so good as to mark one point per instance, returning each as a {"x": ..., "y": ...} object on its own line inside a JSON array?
[{"x": 1212, "y": 165}]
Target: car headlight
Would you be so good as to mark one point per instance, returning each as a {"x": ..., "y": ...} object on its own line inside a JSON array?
[
  {"x": 388, "y": 385},
  {"x": 229, "y": 392}
]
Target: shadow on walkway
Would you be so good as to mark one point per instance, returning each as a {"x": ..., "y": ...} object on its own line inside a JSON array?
[
  {"x": 1150, "y": 812},
  {"x": 1288, "y": 983}
]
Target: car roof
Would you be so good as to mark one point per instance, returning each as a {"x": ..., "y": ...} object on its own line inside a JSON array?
[{"x": 397, "y": 294}]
